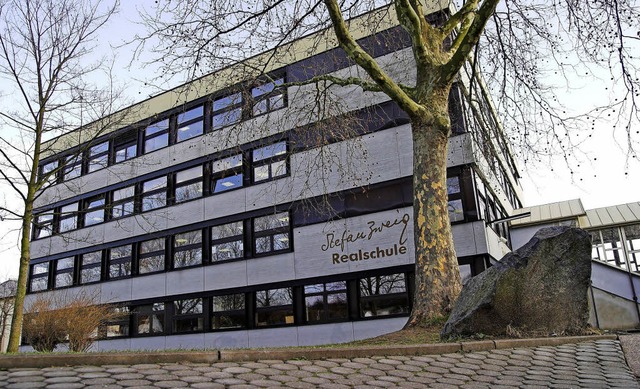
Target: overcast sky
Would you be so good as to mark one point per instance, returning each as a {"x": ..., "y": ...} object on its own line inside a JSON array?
[{"x": 603, "y": 178}]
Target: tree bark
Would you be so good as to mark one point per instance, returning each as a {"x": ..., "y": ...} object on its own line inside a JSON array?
[{"x": 437, "y": 276}]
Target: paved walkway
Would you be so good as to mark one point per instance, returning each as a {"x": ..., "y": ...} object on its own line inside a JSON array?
[{"x": 596, "y": 364}]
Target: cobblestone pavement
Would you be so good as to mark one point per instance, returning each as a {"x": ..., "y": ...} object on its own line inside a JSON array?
[{"x": 599, "y": 364}]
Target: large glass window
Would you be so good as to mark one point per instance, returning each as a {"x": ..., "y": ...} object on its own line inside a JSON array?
[
  {"x": 187, "y": 249},
  {"x": 269, "y": 162},
  {"x": 90, "y": 265},
  {"x": 69, "y": 217},
  {"x": 268, "y": 96},
  {"x": 632, "y": 237},
  {"x": 228, "y": 311},
  {"x": 383, "y": 295},
  {"x": 149, "y": 319},
  {"x": 39, "y": 277},
  {"x": 227, "y": 241},
  {"x": 188, "y": 315},
  {"x": 227, "y": 110},
  {"x": 151, "y": 256},
  {"x": 154, "y": 193},
  {"x": 43, "y": 225},
  {"x": 326, "y": 302},
  {"x": 188, "y": 184},
  {"x": 226, "y": 174},
  {"x": 119, "y": 262},
  {"x": 123, "y": 201},
  {"x": 274, "y": 307},
  {"x": 271, "y": 233},
  {"x": 607, "y": 247},
  {"x": 64, "y": 272},
  {"x": 156, "y": 136},
  {"x": 190, "y": 123},
  {"x": 98, "y": 157},
  {"x": 94, "y": 210}
]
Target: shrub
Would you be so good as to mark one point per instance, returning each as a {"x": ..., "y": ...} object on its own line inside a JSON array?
[{"x": 52, "y": 320}]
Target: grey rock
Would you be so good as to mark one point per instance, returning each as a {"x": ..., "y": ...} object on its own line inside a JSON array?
[{"x": 540, "y": 288}]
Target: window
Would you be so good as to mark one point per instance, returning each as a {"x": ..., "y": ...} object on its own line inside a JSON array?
[
  {"x": 90, "y": 265},
  {"x": 119, "y": 262},
  {"x": 64, "y": 272},
  {"x": 47, "y": 172},
  {"x": 227, "y": 110},
  {"x": 156, "y": 136},
  {"x": 274, "y": 307},
  {"x": 226, "y": 174},
  {"x": 383, "y": 295},
  {"x": 271, "y": 233},
  {"x": 607, "y": 247},
  {"x": 119, "y": 326},
  {"x": 188, "y": 315},
  {"x": 187, "y": 249},
  {"x": 39, "y": 277},
  {"x": 72, "y": 167},
  {"x": 154, "y": 193},
  {"x": 456, "y": 210},
  {"x": 125, "y": 146},
  {"x": 43, "y": 225},
  {"x": 94, "y": 210},
  {"x": 268, "y": 97},
  {"x": 326, "y": 302},
  {"x": 68, "y": 217},
  {"x": 188, "y": 184},
  {"x": 226, "y": 242},
  {"x": 98, "y": 157},
  {"x": 122, "y": 203},
  {"x": 632, "y": 237},
  {"x": 228, "y": 311},
  {"x": 190, "y": 124},
  {"x": 269, "y": 162},
  {"x": 149, "y": 319},
  {"x": 151, "y": 256}
]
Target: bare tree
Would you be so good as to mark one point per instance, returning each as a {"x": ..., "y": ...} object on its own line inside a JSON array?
[
  {"x": 45, "y": 67},
  {"x": 525, "y": 41},
  {"x": 7, "y": 299}
]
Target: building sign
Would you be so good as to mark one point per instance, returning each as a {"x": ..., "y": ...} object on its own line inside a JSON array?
[{"x": 340, "y": 243}]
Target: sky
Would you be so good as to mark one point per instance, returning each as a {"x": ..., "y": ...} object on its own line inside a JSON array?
[{"x": 605, "y": 177}]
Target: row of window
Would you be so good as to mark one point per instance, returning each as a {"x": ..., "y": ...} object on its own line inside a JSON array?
[
  {"x": 221, "y": 111},
  {"x": 258, "y": 236},
  {"x": 235, "y": 171},
  {"x": 490, "y": 210},
  {"x": 324, "y": 302}
]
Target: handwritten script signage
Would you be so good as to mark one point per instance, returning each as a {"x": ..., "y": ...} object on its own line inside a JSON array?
[{"x": 336, "y": 241}]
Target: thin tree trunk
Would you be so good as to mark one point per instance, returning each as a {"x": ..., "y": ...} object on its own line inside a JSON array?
[
  {"x": 21, "y": 288},
  {"x": 437, "y": 274}
]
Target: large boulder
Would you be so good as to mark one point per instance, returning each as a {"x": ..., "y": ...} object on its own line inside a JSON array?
[{"x": 538, "y": 289}]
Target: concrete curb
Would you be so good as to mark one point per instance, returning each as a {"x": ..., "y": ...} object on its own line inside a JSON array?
[{"x": 212, "y": 356}]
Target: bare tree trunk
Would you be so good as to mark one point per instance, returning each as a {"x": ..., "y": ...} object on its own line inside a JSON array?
[
  {"x": 437, "y": 274},
  {"x": 25, "y": 256}
]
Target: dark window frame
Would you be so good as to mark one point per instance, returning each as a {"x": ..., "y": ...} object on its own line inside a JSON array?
[
  {"x": 61, "y": 271},
  {"x": 90, "y": 266},
  {"x": 189, "y": 316},
  {"x": 187, "y": 248},
  {"x": 159, "y": 252},
  {"x": 271, "y": 234},
  {"x": 119, "y": 263},
  {"x": 39, "y": 276}
]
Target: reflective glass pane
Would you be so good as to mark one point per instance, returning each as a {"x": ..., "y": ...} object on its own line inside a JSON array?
[
  {"x": 189, "y": 131},
  {"x": 269, "y": 151},
  {"x": 191, "y": 114}
]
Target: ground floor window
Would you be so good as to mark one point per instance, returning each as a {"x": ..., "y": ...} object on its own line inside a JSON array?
[{"x": 383, "y": 295}]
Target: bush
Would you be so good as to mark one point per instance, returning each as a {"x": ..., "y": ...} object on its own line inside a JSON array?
[{"x": 51, "y": 320}]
